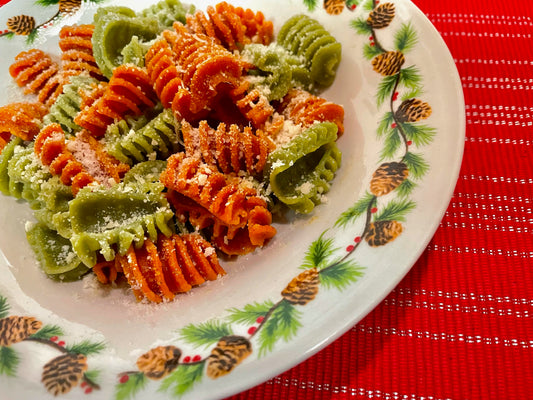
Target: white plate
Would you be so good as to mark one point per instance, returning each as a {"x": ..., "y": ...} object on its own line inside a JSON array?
[{"x": 122, "y": 330}]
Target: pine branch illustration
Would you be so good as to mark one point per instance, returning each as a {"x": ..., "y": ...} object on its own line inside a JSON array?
[
  {"x": 205, "y": 334},
  {"x": 47, "y": 332},
  {"x": 418, "y": 167},
  {"x": 183, "y": 378},
  {"x": 405, "y": 38},
  {"x": 340, "y": 275},
  {"x": 420, "y": 135},
  {"x": 318, "y": 253},
  {"x": 387, "y": 87},
  {"x": 410, "y": 77},
  {"x": 395, "y": 210},
  {"x": 357, "y": 210},
  {"x": 4, "y": 307},
  {"x": 130, "y": 385},
  {"x": 283, "y": 323},
  {"x": 86, "y": 348},
  {"x": 406, "y": 188},
  {"x": 9, "y": 361},
  {"x": 360, "y": 26},
  {"x": 384, "y": 127},
  {"x": 311, "y": 4},
  {"x": 393, "y": 142},
  {"x": 250, "y": 313}
]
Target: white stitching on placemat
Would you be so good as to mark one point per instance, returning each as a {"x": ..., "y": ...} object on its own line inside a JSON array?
[
  {"x": 494, "y": 197},
  {"x": 519, "y": 208},
  {"x": 492, "y": 61},
  {"x": 463, "y": 296},
  {"x": 505, "y": 35},
  {"x": 486, "y": 227},
  {"x": 482, "y": 250},
  {"x": 496, "y": 83},
  {"x": 497, "y": 179},
  {"x": 409, "y": 303},
  {"x": 326, "y": 387},
  {"x": 456, "y": 18},
  {"x": 450, "y": 337}
]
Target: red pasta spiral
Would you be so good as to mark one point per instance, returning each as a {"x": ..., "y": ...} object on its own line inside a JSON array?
[
  {"x": 75, "y": 42},
  {"x": 230, "y": 26},
  {"x": 254, "y": 106},
  {"x": 157, "y": 271},
  {"x": 302, "y": 107},
  {"x": 37, "y": 73},
  {"x": 129, "y": 92},
  {"x": 231, "y": 149},
  {"x": 21, "y": 119}
]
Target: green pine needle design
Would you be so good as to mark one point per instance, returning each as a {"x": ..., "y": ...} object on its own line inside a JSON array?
[
  {"x": 183, "y": 378},
  {"x": 47, "y": 331},
  {"x": 205, "y": 334},
  {"x": 386, "y": 88},
  {"x": 311, "y": 4},
  {"x": 395, "y": 210},
  {"x": 421, "y": 135},
  {"x": 369, "y": 52},
  {"x": 405, "y": 39},
  {"x": 358, "y": 209},
  {"x": 46, "y": 3},
  {"x": 129, "y": 389},
  {"x": 415, "y": 92},
  {"x": 9, "y": 361},
  {"x": 318, "y": 253},
  {"x": 250, "y": 313},
  {"x": 410, "y": 77},
  {"x": 340, "y": 275},
  {"x": 4, "y": 307},
  {"x": 282, "y": 323},
  {"x": 406, "y": 188},
  {"x": 384, "y": 127},
  {"x": 418, "y": 167},
  {"x": 392, "y": 144},
  {"x": 86, "y": 348},
  {"x": 360, "y": 26},
  {"x": 93, "y": 375}
]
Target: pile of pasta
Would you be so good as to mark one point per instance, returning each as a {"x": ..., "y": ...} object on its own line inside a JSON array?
[{"x": 162, "y": 140}]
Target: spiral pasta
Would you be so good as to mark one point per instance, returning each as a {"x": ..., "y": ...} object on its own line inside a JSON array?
[
  {"x": 37, "y": 73},
  {"x": 129, "y": 92},
  {"x": 304, "y": 108},
  {"x": 231, "y": 26},
  {"x": 231, "y": 149},
  {"x": 21, "y": 119}
]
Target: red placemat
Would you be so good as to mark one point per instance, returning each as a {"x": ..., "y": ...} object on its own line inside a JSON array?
[{"x": 460, "y": 325}]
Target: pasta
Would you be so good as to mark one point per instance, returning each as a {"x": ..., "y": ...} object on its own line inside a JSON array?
[{"x": 164, "y": 139}]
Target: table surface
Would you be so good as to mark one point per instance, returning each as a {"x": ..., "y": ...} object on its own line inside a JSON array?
[{"x": 460, "y": 325}]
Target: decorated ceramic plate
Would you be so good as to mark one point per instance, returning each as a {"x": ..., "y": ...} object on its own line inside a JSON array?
[{"x": 275, "y": 306}]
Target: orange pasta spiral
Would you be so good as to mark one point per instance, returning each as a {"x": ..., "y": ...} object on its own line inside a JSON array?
[
  {"x": 232, "y": 27},
  {"x": 232, "y": 150},
  {"x": 228, "y": 198},
  {"x": 206, "y": 69},
  {"x": 157, "y": 271},
  {"x": 75, "y": 42},
  {"x": 302, "y": 107},
  {"x": 39, "y": 74},
  {"x": 21, "y": 119},
  {"x": 129, "y": 92}
]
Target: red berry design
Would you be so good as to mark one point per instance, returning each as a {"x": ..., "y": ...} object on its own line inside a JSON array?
[
  {"x": 350, "y": 248},
  {"x": 252, "y": 330},
  {"x": 393, "y": 125},
  {"x": 409, "y": 143},
  {"x": 196, "y": 358},
  {"x": 260, "y": 319},
  {"x": 88, "y": 390},
  {"x": 372, "y": 44},
  {"x": 374, "y": 210},
  {"x": 357, "y": 239},
  {"x": 187, "y": 359},
  {"x": 54, "y": 338},
  {"x": 353, "y": 6},
  {"x": 371, "y": 38},
  {"x": 124, "y": 378},
  {"x": 61, "y": 343},
  {"x": 395, "y": 96},
  {"x": 83, "y": 384}
]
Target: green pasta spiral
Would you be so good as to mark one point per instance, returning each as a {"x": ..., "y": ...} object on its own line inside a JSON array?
[
  {"x": 108, "y": 220},
  {"x": 168, "y": 11},
  {"x": 137, "y": 140},
  {"x": 67, "y": 105},
  {"x": 54, "y": 254},
  {"x": 300, "y": 171},
  {"x": 307, "y": 38}
]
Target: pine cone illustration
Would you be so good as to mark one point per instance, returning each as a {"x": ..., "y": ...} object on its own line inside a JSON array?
[
  {"x": 15, "y": 329},
  {"x": 63, "y": 373},
  {"x": 381, "y": 16},
  {"x": 159, "y": 361},
  {"x": 21, "y": 24},
  {"x": 388, "y": 177},
  {"x": 413, "y": 110},
  {"x": 69, "y": 6},
  {"x": 334, "y": 7},
  {"x": 229, "y": 352},
  {"x": 382, "y": 232},
  {"x": 302, "y": 289},
  {"x": 388, "y": 63}
]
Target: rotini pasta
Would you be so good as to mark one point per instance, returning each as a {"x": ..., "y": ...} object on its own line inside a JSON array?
[
  {"x": 166, "y": 137},
  {"x": 129, "y": 92}
]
